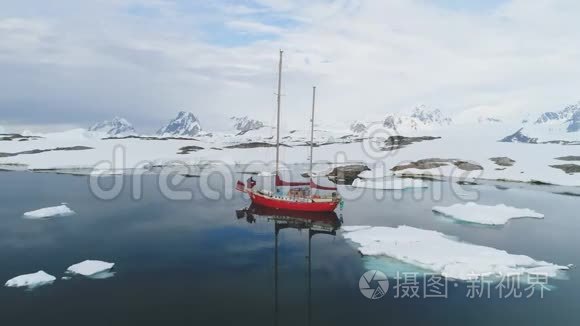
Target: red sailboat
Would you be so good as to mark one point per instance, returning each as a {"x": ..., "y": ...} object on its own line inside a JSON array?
[{"x": 302, "y": 199}]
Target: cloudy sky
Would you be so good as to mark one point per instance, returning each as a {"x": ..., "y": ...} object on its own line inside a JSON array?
[{"x": 66, "y": 63}]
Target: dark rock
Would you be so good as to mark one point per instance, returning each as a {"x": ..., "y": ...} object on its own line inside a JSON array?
[
  {"x": 568, "y": 168},
  {"x": 467, "y": 166},
  {"x": 189, "y": 149},
  {"x": 255, "y": 145},
  {"x": 568, "y": 158},
  {"x": 503, "y": 161},
  {"x": 519, "y": 137},
  {"x": 433, "y": 163},
  {"x": 17, "y": 137},
  {"x": 148, "y": 138},
  {"x": 38, "y": 151},
  {"x": 347, "y": 173}
]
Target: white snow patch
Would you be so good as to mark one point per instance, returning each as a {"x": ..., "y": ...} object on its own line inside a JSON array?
[
  {"x": 389, "y": 184},
  {"x": 439, "y": 253},
  {"x": 90, "y": 268},
  {"x": 482, "y": 214},
  {"x": 31, "y": 281},
  {"x": 61, "y": 210}
]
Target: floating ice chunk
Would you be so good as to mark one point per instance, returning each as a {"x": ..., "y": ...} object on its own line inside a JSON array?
[
  {"x": 389, "y": 184},
  {"x": 436, "y": 252},
  {"x": 61, "y": 210},
  {"x": 90, "y": 268},
  {"x": 482, "y": 214},
  {"x": 31, "y": 281}
]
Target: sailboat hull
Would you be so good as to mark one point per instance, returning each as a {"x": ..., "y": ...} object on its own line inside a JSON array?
[{"x": 285, "y": 204}]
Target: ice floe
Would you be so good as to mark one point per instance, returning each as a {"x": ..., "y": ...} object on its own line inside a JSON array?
[
  {"x": 61, "y": 210},
  {"x": 483, "y": 214},
  {"x": 31, "y": 281},
  {"x": 436, "y": 252},
  {"x": 91, "y": 268},
  {"x": 389, "y": 184}
]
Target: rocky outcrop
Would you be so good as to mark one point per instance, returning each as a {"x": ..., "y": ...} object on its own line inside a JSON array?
[
  {"x": 568, "y": 158},
  {"x": 17, "y": 137},
  {"x": 255, "y": 145},
  {"x": 568, "y": 168},
  {"x": 503, "y": 161},
  {"x": 519, "y": 137},
  {"x": 189, "y": 149},
  {"x": 398, "y": 142},
  {"x": 433, "y": 163},
  {"x": 38, "y": 151},
  {"x": 346, "y": 174}
]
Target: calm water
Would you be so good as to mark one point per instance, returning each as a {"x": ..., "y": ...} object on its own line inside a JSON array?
[{"x": 186, "y": 262}]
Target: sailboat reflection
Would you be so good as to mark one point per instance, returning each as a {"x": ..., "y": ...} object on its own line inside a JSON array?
[{"x": 315, "y": 222}]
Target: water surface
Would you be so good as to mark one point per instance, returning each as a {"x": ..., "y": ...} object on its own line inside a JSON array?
[{"x": 185, "y": 262}]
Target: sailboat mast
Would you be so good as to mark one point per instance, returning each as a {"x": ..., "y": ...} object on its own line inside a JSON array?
[
  {"x": 312, "y": 129},
  {"x": 278, "y": 112}
]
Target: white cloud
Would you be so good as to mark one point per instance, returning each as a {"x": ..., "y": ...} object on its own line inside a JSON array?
[
  {"x": 366, "y": 57},
  {"x": 253, "y": 27}
]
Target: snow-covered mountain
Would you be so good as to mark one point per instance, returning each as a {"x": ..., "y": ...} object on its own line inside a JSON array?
[
  {"x": 185, "y": 124},
  {"x": 358, "y": 127},
  {"x": 421, "y": 118},
  {"x": 116, "y": 127},
  {"x": 574, "y": 125},
  {"x": 561, "y": 127},
  {"x": 245, "y": 124},
  {"x": 562, "y": 116}
]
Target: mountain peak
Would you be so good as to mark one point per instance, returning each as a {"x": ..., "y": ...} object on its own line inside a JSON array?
[
  {"x": 245, "y": 124},
  {"x": 421, "y": 117},
  {"x": 560, "y": 116},
  {"x": 574, "y": 125},
  {"x": 116, "y": 126},
  {"x": 185, "y": 124}
]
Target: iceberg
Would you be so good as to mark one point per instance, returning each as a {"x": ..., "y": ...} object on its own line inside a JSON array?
[
  {"x": 91, "y": 268},
  {"x": 31, "y": 281},
  {"x": 389, "y": 184},
  {"x": 482, "y": 214},
  {"x": 61, "y": 210},
  {"x": 444, "y": 255}
]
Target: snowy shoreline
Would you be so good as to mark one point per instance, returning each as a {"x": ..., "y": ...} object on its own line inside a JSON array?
[{"x": 459, "y": 153}]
